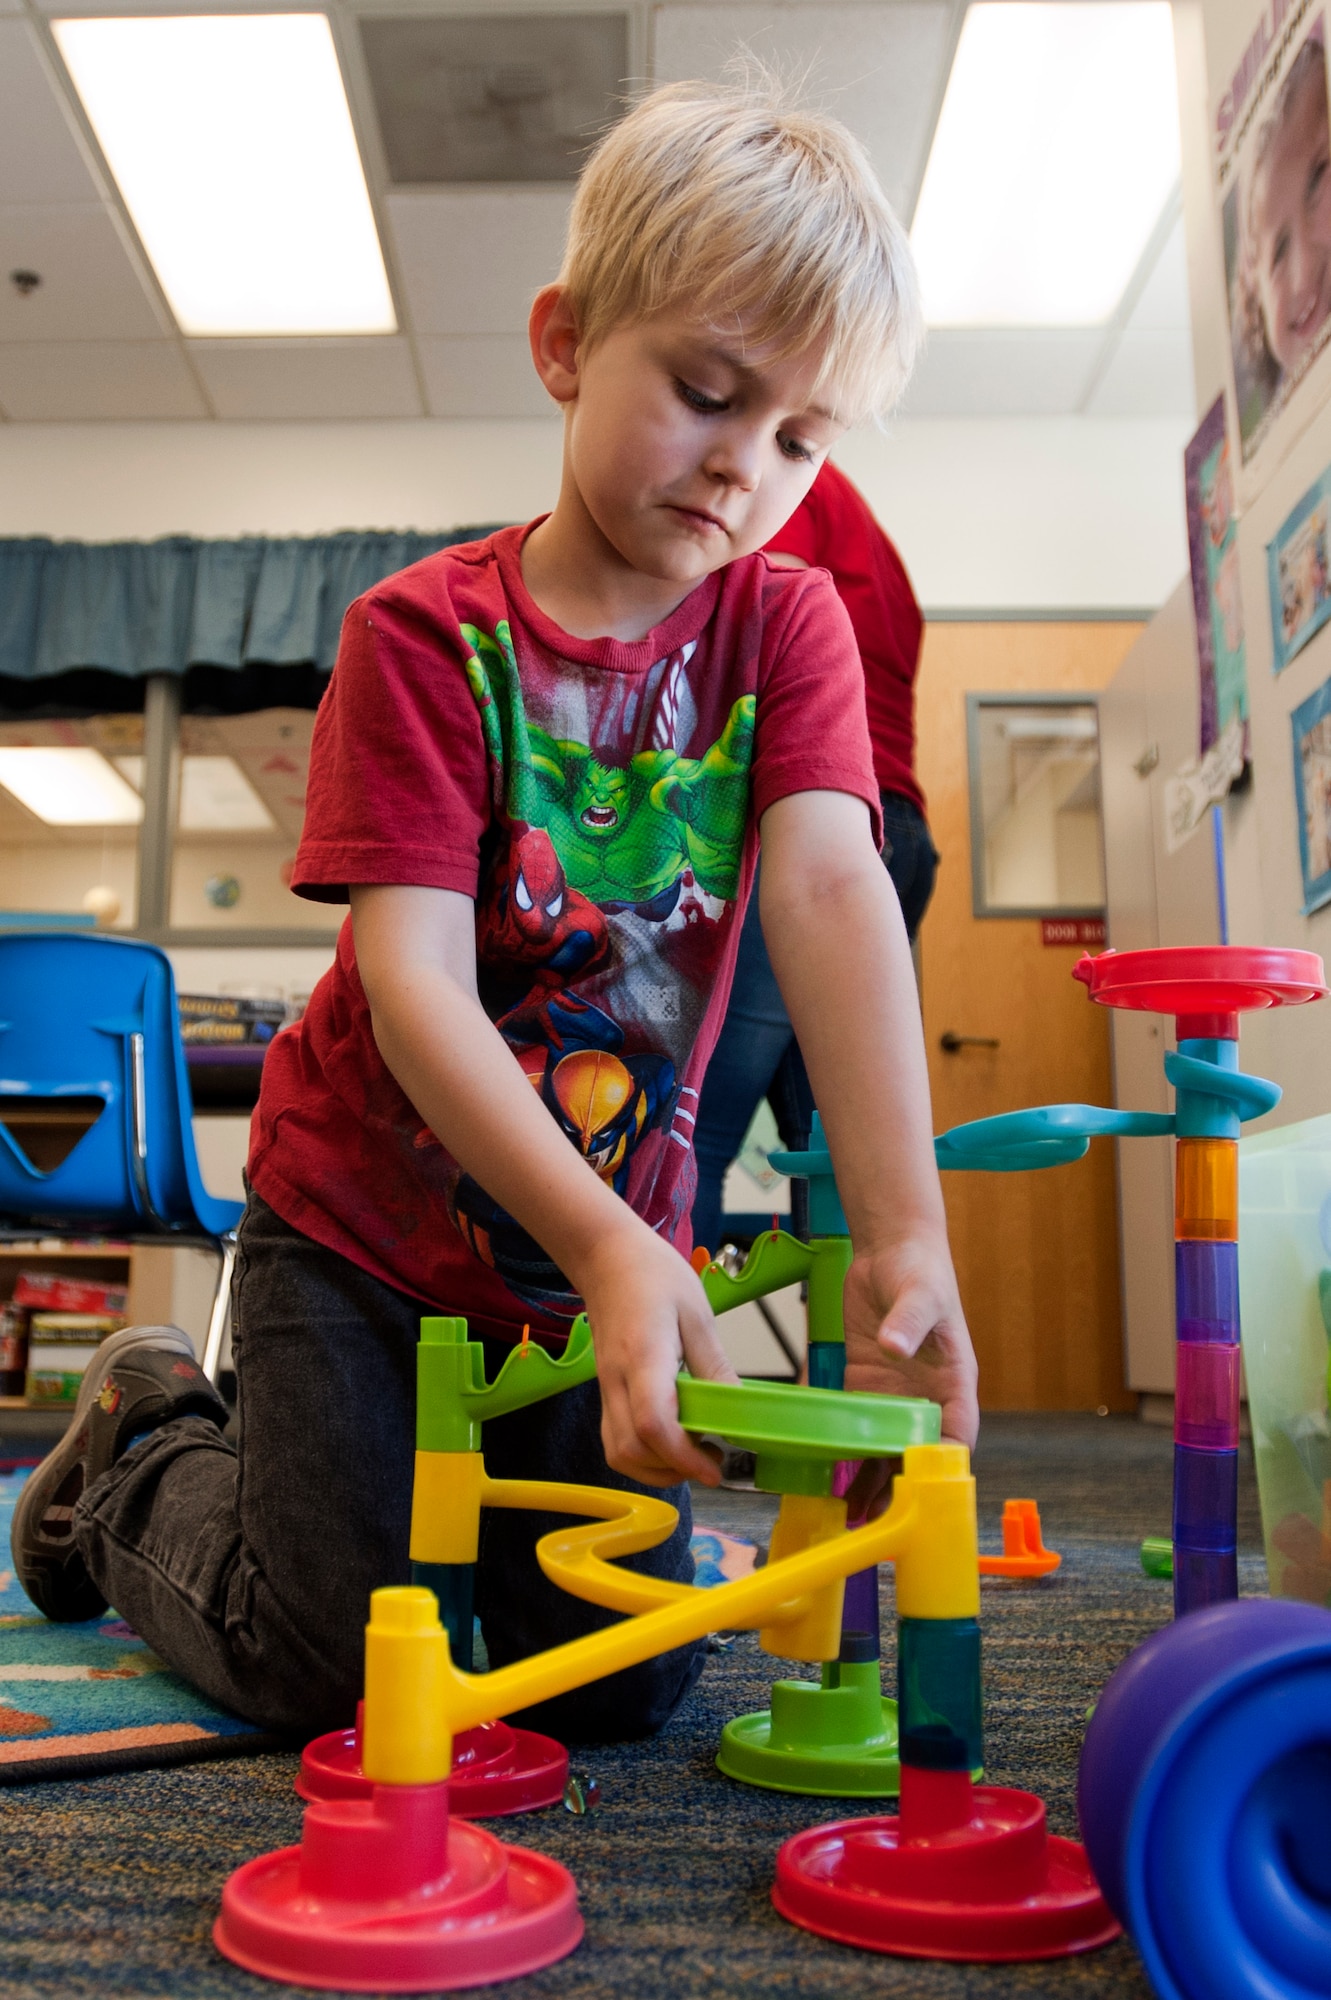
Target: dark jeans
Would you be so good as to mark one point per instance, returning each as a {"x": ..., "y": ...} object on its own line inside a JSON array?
[
  {"x": 249, "y": 1570},
  {"x": 757, "y": 1055}
]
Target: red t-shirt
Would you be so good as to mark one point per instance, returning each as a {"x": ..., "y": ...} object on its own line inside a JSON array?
[
  {"x": 834, "y": 529},
  {"x": 600, "y": 801}
]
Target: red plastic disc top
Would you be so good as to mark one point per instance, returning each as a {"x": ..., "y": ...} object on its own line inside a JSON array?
[
  {"x": 496, "y": 1770},
  {"x": 387, "y": 1895},
  {"x": 1204, "y": 984},
  {"x": 964, "y": 1872}
]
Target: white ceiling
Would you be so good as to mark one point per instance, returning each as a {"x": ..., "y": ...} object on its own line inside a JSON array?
[{"x": 95, "y": 339}]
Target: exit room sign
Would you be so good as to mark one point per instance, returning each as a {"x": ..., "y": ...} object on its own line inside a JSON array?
[{"x": 1072, "y": 930}]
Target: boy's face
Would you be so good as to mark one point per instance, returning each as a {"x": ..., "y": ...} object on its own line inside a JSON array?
[
  {"x": 688, "y": 448},
  {"x": 1291, "y": 225}
]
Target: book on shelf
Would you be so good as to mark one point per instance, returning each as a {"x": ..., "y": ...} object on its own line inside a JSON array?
[
  {"x": 218, "y": 1021},
  {"x": 47, "y": 1291},
  {"x": 13, "y": 1350},
  {"x": 61, "y": 1346}
]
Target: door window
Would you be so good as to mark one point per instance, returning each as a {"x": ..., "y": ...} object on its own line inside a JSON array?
[{"x": 1037, "y": 847}]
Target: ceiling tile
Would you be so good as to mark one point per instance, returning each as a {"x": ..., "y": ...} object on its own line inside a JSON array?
[
  {"x": 89, "y": 289},
  {"x": 493, "y": 97},
  {"x": 40, "y": 159},
  {"x": 1149, "y": 375},
  {"x": 471, "y": 260},
  {"x": 1163, "y": 304},
  {"x": 67, "y": 380},
  {"x": 986, "y": 373},
  {"x": 308, "y": 378},
  {"x": 878, "y": 68},
  {"x": 485, "y": 376}
]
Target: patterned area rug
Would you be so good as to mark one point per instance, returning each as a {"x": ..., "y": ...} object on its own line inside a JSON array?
[{"x": 78, "y": 1699}]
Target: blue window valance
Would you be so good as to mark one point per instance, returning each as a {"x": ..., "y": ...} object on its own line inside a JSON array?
[{"x": 138, "y": 608}]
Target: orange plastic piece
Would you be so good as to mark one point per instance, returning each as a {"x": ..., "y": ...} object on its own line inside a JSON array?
[
  {"x": 1206, "y": 1191},
  {"x": 1024, "y": 1553},
  {"x": 700, "y": 1259}
]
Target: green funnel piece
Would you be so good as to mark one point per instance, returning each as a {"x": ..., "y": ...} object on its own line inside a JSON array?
[
  {"x": 834, "y": 1739},
  {"x": 799, "y": 1436}
]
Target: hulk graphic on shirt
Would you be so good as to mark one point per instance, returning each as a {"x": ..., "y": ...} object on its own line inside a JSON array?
[{"x": 626, "y": 834}]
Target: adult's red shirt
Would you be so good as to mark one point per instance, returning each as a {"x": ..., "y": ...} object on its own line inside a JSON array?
[
  {"x": 834, "y": 529},
  {"x": 600, "y": 802}
]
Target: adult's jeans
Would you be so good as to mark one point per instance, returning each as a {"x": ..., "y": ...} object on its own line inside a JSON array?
[
  {"x": 756, "y": 1055},
  {"x": 249, "y": 1569}
]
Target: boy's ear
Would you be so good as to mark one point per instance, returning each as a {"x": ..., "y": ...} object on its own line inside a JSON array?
[{"x": 555, "y": 339}]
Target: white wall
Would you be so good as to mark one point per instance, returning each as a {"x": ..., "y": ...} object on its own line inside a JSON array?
[
  {"x": 1265, "y": 892},
  {"x": 1041, "y": 513},
  {"x": 1152, "y": 706}
]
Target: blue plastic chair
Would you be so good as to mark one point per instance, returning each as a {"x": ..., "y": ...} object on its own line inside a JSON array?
[{"x": 95, "y": 1018}]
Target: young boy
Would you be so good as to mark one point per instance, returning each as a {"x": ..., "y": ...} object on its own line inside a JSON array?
[{"x": 539, "y": 777}]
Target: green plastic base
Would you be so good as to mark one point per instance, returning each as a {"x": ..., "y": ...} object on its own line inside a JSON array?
[{"x": 837, "y": 1740}]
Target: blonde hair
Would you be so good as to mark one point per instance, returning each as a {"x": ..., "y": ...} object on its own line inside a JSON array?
[{"x": 726, "y": 198}]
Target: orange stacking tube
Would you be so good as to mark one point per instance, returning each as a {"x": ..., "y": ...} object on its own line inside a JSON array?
[{"x": 1206, "y": 1191}]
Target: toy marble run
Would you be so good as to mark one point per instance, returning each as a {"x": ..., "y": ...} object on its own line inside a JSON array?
[
  {"x": 1206, "y": 988},
  {"x": 831, "y": 1738},
  {"x": 389, "y": 1892}
]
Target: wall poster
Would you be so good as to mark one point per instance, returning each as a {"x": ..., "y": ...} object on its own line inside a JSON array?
[
  {"x": 1298, "y": 568},
  {"x": 1213, "y": 553},
  {"x": 1273, "y": 174},
  {"x": 1311, "y": 723}
]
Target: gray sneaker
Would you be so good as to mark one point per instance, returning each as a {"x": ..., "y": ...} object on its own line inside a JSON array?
[{"x": 141, "y": 1377}]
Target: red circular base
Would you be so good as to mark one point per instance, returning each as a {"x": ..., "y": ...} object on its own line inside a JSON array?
[
  {"x": 385, "y": 1895},
  {"x": 1205, "y": 984},
  {"x": 997, "y": 1888},
  {"x": 496, "y": 1770}
]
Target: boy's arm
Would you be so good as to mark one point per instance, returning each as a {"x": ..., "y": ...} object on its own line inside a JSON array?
[
  {"x": 838, "y": 946},
  {"x": 416, "y": 951}
]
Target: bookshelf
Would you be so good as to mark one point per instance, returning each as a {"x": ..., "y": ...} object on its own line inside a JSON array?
[{"x": 168, "y": 1283}]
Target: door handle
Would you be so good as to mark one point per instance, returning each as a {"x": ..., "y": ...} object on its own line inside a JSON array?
[{"x": 952, "y": 1042}]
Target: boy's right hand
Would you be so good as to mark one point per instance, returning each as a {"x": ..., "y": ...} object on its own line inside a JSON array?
[{"x": 649, "y": 1318}]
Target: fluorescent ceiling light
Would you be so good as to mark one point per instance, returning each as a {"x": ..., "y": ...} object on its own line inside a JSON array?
[
  {"x": 215, "y": 796},
  {"x": 69, "y": 787},
  {"x": 231, "y": 141},
  {"x": 1055, "y": 152}
]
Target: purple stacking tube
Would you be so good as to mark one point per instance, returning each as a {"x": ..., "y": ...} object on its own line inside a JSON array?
[
  {"x": 859, "y": 1618},
  {"x": 1206, "y": 1487},
  {"x": 1206, "y": 1282},
  {"x": 1204, "y": 1576}
]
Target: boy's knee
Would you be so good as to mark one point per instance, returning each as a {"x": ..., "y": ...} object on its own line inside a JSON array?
[{"x": 639, "y": 1701}]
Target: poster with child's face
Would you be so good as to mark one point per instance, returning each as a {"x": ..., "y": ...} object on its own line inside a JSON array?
[{"x": 1276, "y": 214}]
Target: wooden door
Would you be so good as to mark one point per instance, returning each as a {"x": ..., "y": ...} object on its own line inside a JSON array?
[{"x": 1036, "y": 1253}]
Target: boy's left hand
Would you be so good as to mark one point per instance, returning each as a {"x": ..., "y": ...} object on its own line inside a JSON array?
[{"x": 906, "y": 1335}]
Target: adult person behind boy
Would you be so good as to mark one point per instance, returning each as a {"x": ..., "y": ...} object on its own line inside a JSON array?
[
  {"x": 756, "y": 1054},
  {"x": 528, "y": 744}
]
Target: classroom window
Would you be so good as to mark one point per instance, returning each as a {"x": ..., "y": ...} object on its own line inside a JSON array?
[
  {"x": 70, "y": 820},
  {"x": 240, "y": 805},
  {"x": 177, "y": 819},
  {"x": 1037, "y": 847}
]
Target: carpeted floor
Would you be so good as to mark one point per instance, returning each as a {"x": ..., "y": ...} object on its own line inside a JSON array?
[{"x": 110, "y": 1887}]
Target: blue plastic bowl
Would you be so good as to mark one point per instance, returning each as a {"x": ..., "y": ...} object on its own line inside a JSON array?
[{"x": 1205, "y": 1802}]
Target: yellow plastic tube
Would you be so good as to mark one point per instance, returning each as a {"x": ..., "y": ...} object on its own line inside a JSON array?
[
  {"x": 469, "y": 1699},
  {"x": 446, "y": 1506}
]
